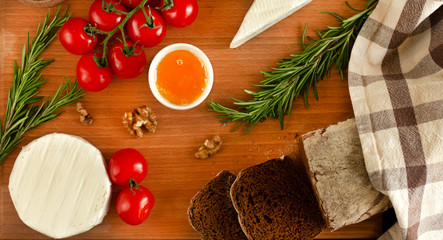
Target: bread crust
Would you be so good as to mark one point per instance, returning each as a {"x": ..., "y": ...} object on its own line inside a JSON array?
[{"x": 305, "y": 161}]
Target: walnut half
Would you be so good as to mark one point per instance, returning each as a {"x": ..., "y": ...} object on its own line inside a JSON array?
[
  {"x": 85, "y": 117},
  {"x": 209, "y": 148},
  {"x": 139, "y": 120}
]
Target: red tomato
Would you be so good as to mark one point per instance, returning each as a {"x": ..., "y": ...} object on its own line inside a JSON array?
[
  {"x": 75, "y": 39},
  {"x": 134, "y": 207},
  {"x": 181, "y": 14},
  {"x": 101, "y": 14},
  {"x": 127, "y": 164},
  {"x": 147, "y": 33},
  {"x": 90, "y": 76},
  {"x": 127, "y": 63},
  {"x": 131, "y": 3}
]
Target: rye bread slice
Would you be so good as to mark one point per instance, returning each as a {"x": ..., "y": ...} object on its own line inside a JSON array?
[
  {"x": 334, "y": 161},
  {"x": 211, "y": 212},
  {"x": 274, "y": 200}
]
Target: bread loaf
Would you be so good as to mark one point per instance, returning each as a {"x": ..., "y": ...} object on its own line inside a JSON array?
[
  {"x": 334, "y": 161},
  {"x": 211, "y": 212},
  {"x": 275, "y": 202}
]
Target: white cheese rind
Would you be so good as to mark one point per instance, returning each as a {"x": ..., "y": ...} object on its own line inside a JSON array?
[
  {"x": 59, "y": 185},
  {"x": 262, "y": 15}
]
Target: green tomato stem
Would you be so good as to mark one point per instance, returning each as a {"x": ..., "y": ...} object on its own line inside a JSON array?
[
  {"x": 168, "y": 5},
  {"x": 87, "y": 28},
  {"x": 125, "y": 44},
  {"x": 133, "y": 184},
  {"x": 149, "y": 20}
]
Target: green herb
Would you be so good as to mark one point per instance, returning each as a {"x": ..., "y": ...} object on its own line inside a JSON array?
[
  {"x": 297, "y": 75},
  {"x": 21, "y": 113}
]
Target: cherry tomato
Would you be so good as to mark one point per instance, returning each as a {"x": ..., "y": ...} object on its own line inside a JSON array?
[
  {"x": 127, "y": 63},
  {"x": 179, "y": 13},
  {"x": 147, "y": 33},
  {"x": 127, "y": 164},
  {"x": 75, "y": 39},
  {"x": 134, "y": 207},
  {"x": 90, "y": 76},
  {"x": 131, "y": 3},
  {"x": 102, "y": 16}
]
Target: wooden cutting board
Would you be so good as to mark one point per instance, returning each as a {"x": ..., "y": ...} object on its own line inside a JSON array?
[{"x": 174, "y": 174}]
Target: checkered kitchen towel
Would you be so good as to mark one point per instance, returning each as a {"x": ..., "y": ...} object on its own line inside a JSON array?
[{"x": 396, "y": 86}]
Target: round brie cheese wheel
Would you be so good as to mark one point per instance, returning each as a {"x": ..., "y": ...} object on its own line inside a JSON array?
[{"x": 59, "y": 185}]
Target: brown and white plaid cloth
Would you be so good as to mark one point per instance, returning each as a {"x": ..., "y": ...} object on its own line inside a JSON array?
[{"x": 396, "y": 86}]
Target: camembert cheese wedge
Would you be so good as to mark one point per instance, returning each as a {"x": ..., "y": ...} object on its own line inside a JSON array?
[
  {"x": 59, "y": 185},
  {"x": 262, "y": 15}
]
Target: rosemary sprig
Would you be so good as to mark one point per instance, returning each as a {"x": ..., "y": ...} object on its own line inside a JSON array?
[
  {"x": 297, "y": 75},
  {"x": 22, "y": 114}
]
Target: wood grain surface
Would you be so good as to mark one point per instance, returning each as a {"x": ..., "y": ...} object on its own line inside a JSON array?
[{"x": 174, "y": 174}]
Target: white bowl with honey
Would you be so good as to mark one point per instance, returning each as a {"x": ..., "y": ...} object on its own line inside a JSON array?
[{"x": 181, "y": 76}]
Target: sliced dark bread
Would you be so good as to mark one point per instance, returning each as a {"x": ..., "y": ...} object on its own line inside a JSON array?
[
  {"x": 274, "y": 200},
  {"x": 211, "y": 212}
]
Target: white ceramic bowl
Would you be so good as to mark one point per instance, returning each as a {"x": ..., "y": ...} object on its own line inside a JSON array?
[{"x": 153, "y": 75}]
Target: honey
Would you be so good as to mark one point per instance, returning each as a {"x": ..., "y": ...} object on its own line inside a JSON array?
[{"x": 181, "y": 77}]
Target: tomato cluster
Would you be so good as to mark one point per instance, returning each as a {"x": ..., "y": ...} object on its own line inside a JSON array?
[
  {"x": 128, "y": 168},
  {"x": 145, "y": 22}
]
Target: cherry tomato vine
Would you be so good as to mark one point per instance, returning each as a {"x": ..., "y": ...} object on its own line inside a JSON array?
[
  {"x": 103, "y": 61},
  {"x": 146, "y": 25},
  {"x": 127, "y": 168}
]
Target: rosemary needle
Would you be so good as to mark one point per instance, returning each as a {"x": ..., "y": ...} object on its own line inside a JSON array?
[
  {"x": 299, "y": 74},
  {"x": 22, "y": 114}
]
